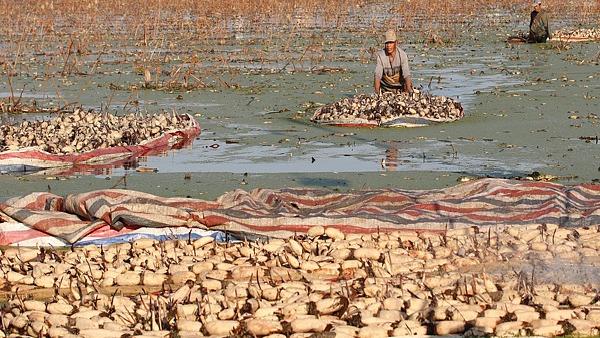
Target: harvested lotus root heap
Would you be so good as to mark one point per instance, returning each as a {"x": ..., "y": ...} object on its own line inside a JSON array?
[
  {"x": 519, "y": 281},
  {"x": 591, "y": 34},
  {"x": 385, "y": 108},
  {"x": 83, "y": 131}
]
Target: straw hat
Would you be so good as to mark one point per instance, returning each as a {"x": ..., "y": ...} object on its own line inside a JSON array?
[{"x": 390, "y": 36}]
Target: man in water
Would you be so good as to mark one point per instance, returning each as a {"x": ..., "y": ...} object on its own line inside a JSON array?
[
  {"x": 538, "y": 26},
  {"x": 391, "y": 72}
]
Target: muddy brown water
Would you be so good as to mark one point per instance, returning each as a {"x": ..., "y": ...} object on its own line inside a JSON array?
[{"x": 527, "y": 108}]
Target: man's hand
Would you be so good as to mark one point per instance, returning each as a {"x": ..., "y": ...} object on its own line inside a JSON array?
[{"x": 408, "y": 85}]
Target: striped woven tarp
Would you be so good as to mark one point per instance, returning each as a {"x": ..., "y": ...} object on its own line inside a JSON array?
[
  {"x": 29, "y": 159},
  {"x": 281, "y": 213},
  {"x": 19, "y": 234}
]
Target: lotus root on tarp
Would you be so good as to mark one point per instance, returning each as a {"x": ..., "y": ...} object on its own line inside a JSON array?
[{"x": 390, "y": 109}]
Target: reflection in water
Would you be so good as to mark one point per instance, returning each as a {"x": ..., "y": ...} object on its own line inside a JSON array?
[
  {"x": 391, "y": 157},
  {"x": 107, "y": 167}
]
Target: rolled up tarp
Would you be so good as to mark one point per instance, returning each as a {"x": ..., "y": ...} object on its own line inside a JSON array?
[{"x": 484, "y": 203}]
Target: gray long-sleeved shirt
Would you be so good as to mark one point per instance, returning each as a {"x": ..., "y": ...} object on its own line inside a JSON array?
[{"x": 398, "y": 65}]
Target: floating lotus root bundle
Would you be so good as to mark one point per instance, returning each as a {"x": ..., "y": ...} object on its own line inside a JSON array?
[
  {"x": 389, "y": 109},
  {"x": 83, "y": 131},
  {"x": 580, "y": 34}
]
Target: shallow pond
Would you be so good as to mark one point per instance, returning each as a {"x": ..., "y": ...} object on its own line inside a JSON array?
[{"x": 527, "y": 106}]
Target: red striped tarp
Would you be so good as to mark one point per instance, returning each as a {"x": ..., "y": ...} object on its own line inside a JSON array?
[
  {"x": 281, "y": 213},
  {"x": 33, "y": 158}
]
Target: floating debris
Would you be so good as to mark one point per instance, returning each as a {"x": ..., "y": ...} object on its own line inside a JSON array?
[
  {"x": 83, "y": 131},
  {"x": 537, "y": 176},
  {"x": 13, "y": 105},
  {"x": 389, "y": 109},
  {"x": 467, "y": 178},
  {"x": 146, "y": 170},
  {"x": 534, "y": 176},
  {"x": 589, "y": 139}
]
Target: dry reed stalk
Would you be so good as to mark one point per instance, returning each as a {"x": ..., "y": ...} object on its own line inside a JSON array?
[{"x": 267, "y": 32}]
